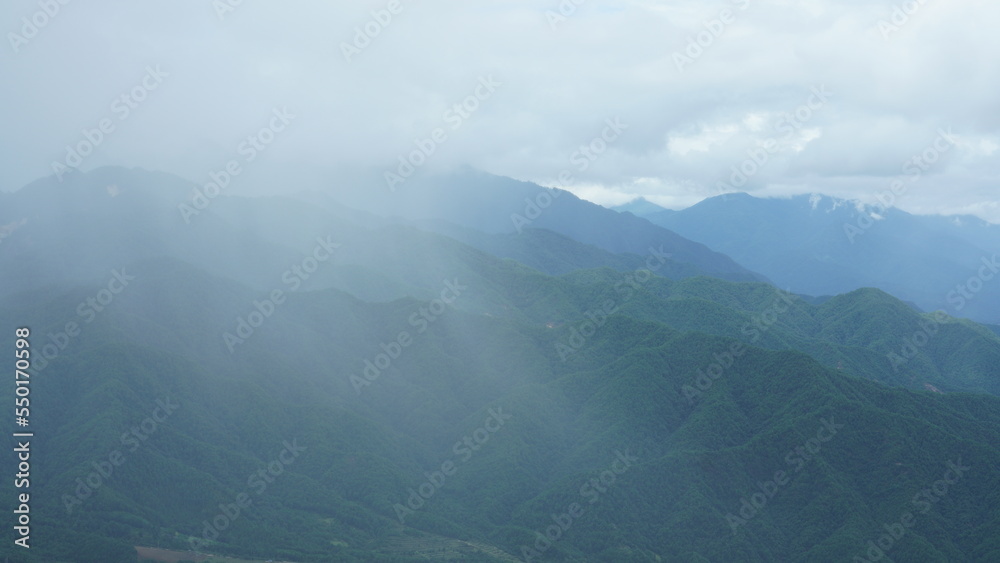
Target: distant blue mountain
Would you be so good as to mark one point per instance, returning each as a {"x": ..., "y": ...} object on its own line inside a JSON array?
[
  {"x": 640, "y": 207},
  {"x": 498, "y": 205},
  {"x": 822, "y": 246}
]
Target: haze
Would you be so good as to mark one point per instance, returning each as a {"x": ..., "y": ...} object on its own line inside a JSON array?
[{"x": 896, "y": 81}]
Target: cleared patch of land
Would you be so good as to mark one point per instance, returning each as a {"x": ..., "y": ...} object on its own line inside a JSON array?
[{"x": 170, "y": 556}]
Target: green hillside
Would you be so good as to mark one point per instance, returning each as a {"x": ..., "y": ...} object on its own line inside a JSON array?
[{"x": 414, "y": 398}]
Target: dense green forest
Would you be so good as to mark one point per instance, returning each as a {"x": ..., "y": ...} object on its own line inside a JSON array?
[{"x": 417, "y": 393}]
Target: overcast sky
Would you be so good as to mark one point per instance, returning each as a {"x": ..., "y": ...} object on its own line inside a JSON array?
[{"x": 693, "y": 85}]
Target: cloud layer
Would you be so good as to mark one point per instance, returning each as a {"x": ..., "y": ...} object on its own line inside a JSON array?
[{"x": 704, "y": 88}]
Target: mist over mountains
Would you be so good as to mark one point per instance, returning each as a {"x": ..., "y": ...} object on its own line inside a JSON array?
[
  {"x": 314, "y": 378},
  {"x": 493, "y": 281}
]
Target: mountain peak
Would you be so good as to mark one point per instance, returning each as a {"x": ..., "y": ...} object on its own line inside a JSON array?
[{"x": 639, "y": 206}]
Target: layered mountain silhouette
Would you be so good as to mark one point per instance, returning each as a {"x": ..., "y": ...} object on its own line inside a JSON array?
[
  {"x": 320, "y": 378},
  {"x": 824, "y": 246}
]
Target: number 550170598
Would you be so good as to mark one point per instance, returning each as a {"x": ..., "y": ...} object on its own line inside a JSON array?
[{"x": 21, "y": 376}]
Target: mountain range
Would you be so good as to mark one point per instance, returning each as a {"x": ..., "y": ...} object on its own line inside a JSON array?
[
  {"x": 821, "y": 245},
  {"x": 344, "y": 375}
]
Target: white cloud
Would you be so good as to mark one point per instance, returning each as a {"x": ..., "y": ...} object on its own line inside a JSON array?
[{"x": 610, "y": 58}]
